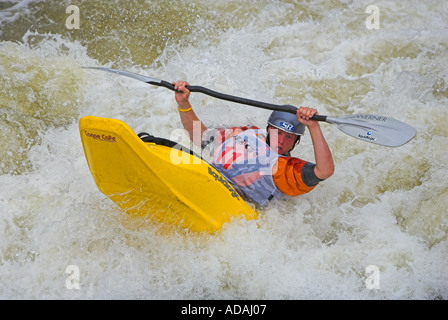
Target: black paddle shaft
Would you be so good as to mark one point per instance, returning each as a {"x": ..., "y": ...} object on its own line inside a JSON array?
[
  {"x": 227, "y": 97},
  {"x": 367, "y": 127}
]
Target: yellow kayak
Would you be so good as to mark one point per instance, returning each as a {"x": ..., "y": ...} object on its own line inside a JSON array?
[{"x": 155, "y": 179}]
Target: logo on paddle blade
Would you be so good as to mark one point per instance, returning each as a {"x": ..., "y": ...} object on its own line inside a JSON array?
[
  {"x": 370, "y": 117},
  {"x": 367, "y": 136}
]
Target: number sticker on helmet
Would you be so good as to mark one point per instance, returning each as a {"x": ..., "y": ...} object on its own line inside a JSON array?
[{"x": 287, "y": 126}]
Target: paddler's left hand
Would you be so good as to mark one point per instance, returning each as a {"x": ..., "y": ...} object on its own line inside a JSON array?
[{"x": 304, "y": 114}]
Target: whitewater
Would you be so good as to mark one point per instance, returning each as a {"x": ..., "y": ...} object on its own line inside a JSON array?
[{"x": 377, "y": 229}]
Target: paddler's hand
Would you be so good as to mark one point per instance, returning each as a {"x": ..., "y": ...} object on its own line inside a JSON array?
[
  {"x": 182, "y": 94},
  {"x": 304, "y": 114}
]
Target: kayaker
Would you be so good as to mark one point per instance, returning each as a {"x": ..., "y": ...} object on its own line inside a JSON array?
[{"x": 261, "y": 166}]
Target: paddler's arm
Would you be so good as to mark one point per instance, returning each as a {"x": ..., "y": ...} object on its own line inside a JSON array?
[
  {"x": 324, "y": 160},
  {"x": 190, "y": 121}
]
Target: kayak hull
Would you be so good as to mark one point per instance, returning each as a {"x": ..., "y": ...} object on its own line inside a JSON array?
[{"x": 147, "y": 179}]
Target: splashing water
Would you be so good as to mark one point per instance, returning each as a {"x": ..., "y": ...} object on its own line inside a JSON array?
[{"x": 384, "y": 207}]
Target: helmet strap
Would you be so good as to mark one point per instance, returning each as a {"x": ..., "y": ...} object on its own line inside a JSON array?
[{"x": 295, "y": 143}]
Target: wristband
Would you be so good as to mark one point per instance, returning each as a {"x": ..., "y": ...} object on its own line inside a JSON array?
[{"x": 184, "y": 110}]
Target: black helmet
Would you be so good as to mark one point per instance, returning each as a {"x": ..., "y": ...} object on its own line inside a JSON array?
[{"x": 287, "y": 122}]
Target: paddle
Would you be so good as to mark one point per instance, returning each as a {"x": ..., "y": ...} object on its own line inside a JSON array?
[{"x": 372, "y": 128}]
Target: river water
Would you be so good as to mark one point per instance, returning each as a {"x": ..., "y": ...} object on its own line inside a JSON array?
[{"x": 377, "y": 229}]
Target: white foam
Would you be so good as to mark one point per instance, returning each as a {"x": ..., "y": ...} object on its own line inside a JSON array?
[{"x": 383, "y": 207}]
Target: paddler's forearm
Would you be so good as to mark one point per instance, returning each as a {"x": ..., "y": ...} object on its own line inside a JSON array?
[
  {"x": 324, "y": 160},
  {"x": 191, "y": 123}
]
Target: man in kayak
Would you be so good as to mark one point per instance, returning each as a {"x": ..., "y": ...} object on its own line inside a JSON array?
[{"x": 260, "y": 166}]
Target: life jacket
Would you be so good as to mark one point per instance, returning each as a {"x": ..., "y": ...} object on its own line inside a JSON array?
[
  {"x": 249, "y": 163},
  {"x": 286, "y": 171}
]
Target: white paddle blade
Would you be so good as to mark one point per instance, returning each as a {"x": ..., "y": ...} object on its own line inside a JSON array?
[
  {"x": 127, "y": 74},
  {"x": 376, "y": 129}
]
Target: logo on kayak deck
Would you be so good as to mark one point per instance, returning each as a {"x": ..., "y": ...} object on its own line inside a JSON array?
[
  {"x": 103, "y": 137},
  {"x": 224, "y": 182},
  {"x": 367, "y": 136}
]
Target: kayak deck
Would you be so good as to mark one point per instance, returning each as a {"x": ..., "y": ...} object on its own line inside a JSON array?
[{"x": 158, "y": 181}]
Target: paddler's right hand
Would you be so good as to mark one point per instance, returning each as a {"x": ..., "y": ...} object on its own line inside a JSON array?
[{"x": 182, "y": 94}]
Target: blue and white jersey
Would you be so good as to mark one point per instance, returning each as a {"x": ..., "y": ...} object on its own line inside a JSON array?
[{"x": 247, "y": 160}]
